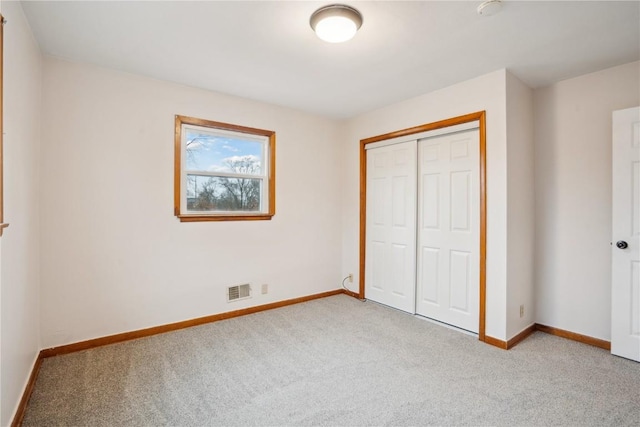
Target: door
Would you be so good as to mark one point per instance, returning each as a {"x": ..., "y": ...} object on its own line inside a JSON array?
[
  {"x": 449, "y": 229},
  {"x": 625, "y": 255},
  {"x": 391, "y": 225}
]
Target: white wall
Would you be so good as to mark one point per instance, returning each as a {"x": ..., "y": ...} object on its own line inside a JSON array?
[
  {"x": 573, "y": 197},
  {"x": 521, "y": 209},
  {"x": 19, "y": 279},
  {"x": 488, "y": 93},
  {"x": 115, "y": 258}
]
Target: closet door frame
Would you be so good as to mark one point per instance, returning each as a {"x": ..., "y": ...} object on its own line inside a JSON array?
[{"x": 472, "y": 117}]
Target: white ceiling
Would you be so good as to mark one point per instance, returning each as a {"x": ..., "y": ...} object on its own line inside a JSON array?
[{"x": 265, "y": 50}]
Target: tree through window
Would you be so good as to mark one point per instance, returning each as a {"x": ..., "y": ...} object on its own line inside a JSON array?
[{"x": 223, "y": 171}]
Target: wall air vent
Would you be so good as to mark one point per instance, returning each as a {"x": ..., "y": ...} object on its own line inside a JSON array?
[{"x": 238, "y": 292}]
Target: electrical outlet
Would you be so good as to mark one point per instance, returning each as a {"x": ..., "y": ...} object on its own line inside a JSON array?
[
  {"x": 522, "y": 310},
  {"x": 265, "y": 288},
  {"x": 350, "y": 277}
]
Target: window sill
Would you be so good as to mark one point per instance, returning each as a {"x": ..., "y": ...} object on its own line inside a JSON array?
[{"x": 203, "y": 218}]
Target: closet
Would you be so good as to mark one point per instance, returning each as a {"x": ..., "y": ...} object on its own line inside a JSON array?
[{"x": 422, "y": 240}]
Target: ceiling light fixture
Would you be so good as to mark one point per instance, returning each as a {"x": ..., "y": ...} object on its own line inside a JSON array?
[
  {"x": 336, "y": 23},
  {"x": 489, "y": 7}
]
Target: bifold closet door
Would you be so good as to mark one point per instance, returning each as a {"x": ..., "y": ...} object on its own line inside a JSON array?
[
  {"x": 390, "y": 263},
  {"x": 449, "y": 229}
]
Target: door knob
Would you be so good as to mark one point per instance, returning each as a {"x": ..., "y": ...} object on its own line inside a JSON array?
[{"x": 621, "y": 244}]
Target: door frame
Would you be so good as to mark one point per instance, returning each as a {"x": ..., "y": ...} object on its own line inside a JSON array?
[{"x": 480, "y": 117}]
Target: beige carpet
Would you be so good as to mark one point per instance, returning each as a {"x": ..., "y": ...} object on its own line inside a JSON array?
[{"x": 335, "y": 361}]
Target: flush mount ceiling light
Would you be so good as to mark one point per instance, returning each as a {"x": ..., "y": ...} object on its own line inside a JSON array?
[
  {"x": 489, "y": 7},
  {"x": 336, "y": 23}
]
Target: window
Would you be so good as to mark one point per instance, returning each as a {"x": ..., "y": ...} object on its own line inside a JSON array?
[
  {"x": 223, "y": 171},
  {"x": 2, "y": 224}
]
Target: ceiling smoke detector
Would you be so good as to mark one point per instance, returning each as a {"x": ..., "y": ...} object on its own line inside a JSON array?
[{"x": 489, "y": 7}]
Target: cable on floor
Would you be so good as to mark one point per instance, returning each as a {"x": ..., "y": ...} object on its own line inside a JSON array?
[
  {"x": 347, "y": 289},
  {"x": 344, "y": 286}
]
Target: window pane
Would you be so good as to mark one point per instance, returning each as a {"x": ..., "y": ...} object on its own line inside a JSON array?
[
  {"x": 205, "y": 193},
  {"x": 215, "y": 153}
]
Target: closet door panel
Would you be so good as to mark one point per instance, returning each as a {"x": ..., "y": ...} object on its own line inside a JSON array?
[
  {"x": 449, "y": 225},
  {"x": 390, "y": 262}
]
